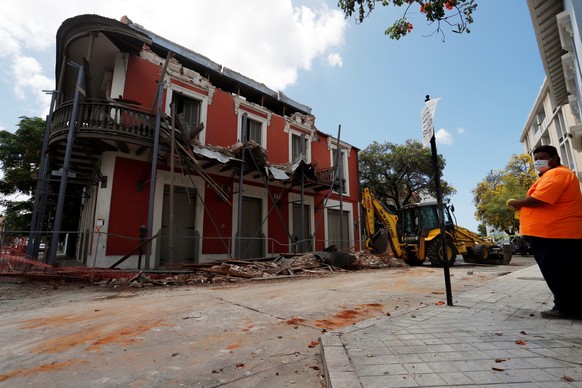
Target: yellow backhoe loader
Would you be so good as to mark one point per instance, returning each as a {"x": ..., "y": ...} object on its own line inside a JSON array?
[{"x": 415, "y": 235}]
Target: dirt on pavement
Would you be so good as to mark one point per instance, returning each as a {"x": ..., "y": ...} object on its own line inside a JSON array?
[{"x": 251, "y": 334}]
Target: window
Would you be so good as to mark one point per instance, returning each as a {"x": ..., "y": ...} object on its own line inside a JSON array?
[
  {"x": 340, "y": 169},
  {"x": 191, "y": 108},
  {"x": 256, "y": 128},
  {"x": 188, "y": 112},
  {"x": 540, "y": 117},
  {"x": 297, "y": 148},
  {"x": 254, "y": 131}
]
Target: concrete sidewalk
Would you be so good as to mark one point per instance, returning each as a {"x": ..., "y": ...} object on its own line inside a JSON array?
[{"x": 492, "y": 335}]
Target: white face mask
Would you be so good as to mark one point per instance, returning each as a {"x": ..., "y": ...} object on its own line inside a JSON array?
[{"x": 541, "y": 165}]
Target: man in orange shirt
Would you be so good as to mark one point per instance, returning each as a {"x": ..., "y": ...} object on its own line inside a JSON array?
[{"x": 551, "y": 218}]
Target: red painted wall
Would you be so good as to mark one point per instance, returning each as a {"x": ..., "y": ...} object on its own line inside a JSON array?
[
  {"x": 221, "y": 123},
  {"x": 129, "y": 207},
  {"x": 277, "y": 141},
  {"x": 141, "y": 81},
  {"x": 217, "y": 224}
]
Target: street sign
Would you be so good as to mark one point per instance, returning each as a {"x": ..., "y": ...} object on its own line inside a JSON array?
[
  {"x": 427, "y": 119},
  {"x": 59, "y": 172}
]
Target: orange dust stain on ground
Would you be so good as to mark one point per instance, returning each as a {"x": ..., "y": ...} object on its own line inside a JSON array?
[
  {"x": 294, "y": 321},
  {"x": 249, "y": 327},
  {"x": 55, "y": 321},
  {"x": 97, "y": 337},
  {"x": 350, "y": 316},
  {"x": 52, "y": 367},
  {"x": 233, "y": 346}
]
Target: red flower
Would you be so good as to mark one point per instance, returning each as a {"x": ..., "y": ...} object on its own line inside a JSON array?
[
  {"x": 410, "y": 27},
  {"x": 422, "y": 8},
  {"x": 449, "y": 5}
]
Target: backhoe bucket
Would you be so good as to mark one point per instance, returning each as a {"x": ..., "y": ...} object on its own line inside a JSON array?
[{"x": 379, "y": 244}]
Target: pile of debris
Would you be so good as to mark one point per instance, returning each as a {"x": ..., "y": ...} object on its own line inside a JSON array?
[
  {"x": 213, "y": 272},
  {"x": 283, "y": 266}
]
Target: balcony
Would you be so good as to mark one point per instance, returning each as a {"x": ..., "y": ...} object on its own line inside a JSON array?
[
  {"x": 116, "y": 126},
  {"x": 106, "y": 120}
]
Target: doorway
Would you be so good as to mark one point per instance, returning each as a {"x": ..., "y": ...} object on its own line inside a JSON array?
[
  {"x": 185, "y": 238},
  {"x": 252, "y": 237}
]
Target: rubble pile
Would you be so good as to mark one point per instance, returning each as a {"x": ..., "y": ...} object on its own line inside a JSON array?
[{"x": 236, "y": 270}]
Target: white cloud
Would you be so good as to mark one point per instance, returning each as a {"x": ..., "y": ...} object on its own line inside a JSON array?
[
  {"x": 266, "y": 40},
  {"x": 460, "y": 130},
  {"x": 334, "y": 59},
  {"x": 443, "y": 136}
]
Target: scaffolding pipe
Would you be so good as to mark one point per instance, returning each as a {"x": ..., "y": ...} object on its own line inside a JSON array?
[
  {"x": 153, "y": 174},
  {"x": 172, "y": 152},
  {"x": 243, "y": 136}
]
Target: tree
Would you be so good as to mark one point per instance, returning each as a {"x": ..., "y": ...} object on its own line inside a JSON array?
[
  {"x": 400, "y": 174},
  {"x": 457, "y": 14},
  {"x": 497, "y": 187},
  {"x": 20, "y": 161}
]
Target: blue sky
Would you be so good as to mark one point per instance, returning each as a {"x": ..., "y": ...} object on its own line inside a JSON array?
[{"x": 350, "y": 75}]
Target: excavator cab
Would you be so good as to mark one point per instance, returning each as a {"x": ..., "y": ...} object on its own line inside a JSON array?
[{"x": 419, "y": 219}]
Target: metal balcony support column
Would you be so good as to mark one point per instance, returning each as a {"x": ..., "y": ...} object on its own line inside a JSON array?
[
  {"x": 243, "y": 135},
  {"x": 302, "y": 199},
  {"x": 65, "y": 169},
  {"x": 41, "y": 183},
  {"x": 339, "y": 175},
  {"x": 153, "y": 173}
]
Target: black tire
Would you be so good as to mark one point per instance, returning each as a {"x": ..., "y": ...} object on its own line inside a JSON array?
[
  {"x": 481, "y": 253},
  {"x": 434, "y": 252}
]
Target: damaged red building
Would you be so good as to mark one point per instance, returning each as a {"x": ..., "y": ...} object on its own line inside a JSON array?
[{"x": 155, "y": 155}]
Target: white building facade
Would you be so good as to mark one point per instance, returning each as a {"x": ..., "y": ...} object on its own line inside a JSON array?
[{"x": 555, "y": 118}]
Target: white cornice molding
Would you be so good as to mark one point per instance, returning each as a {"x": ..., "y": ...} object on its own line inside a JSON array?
[{"x": 240, "y": 101}]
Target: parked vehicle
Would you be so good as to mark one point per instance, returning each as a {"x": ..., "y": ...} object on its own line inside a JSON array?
[{"x": 521, "y": 245}]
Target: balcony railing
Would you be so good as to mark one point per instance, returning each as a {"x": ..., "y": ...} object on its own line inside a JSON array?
[{"x": 98, "y": 118}]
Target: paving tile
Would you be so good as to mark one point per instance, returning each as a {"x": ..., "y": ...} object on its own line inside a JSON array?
[
  {"x": 465, "y": 366},
  {"x": 382, "y": 370},
  {"x": 456, "y": 378},
  {"x": 442, "y": 366},
  {"x": 417, "y": 367},
  {"x": 483, "y": 377},
  {"x": 409, "y": 358},
  {"x": 525, "y": 375},
  {"x": 380, "y": 360},
  {"x": 401, "y": 381},
  {"x": 429, "y": 379}
]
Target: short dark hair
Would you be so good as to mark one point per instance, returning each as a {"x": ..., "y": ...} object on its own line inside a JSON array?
[{"x": 548, "y": 149}]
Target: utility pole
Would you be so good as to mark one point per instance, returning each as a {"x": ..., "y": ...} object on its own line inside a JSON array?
[{"x": 428, "y": 130}]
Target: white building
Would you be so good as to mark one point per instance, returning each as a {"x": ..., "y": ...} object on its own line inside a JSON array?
[{"x": 555, "y": 118}]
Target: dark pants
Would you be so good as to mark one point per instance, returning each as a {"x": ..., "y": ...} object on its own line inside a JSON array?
[{"x": 560, "y": 261}]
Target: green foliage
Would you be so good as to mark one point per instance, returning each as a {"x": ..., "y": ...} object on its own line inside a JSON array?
[
  {"x": 20, "y": 160},
  {"x": 400, "y": 174},
  {"x": 497, "y": 187},
  {"x": 457, "y": 14}
]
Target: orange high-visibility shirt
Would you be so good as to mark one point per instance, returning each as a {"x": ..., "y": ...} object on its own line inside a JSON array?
[{"x": 561, "y": 215}]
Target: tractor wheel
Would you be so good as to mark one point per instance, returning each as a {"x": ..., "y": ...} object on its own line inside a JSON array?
[
  {"x": 435, "y": 252},
  {"x": 481, "y": 253}
]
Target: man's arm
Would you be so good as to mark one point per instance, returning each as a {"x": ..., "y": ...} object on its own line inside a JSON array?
[{"x": 526, "y": 202}]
